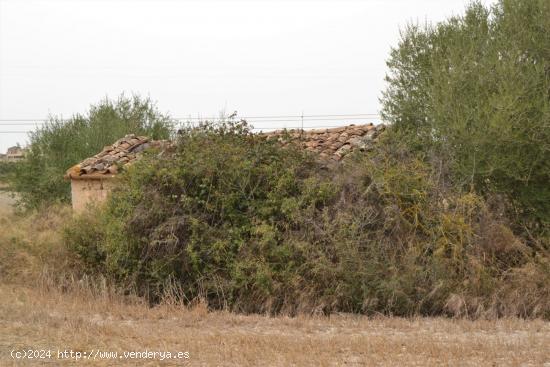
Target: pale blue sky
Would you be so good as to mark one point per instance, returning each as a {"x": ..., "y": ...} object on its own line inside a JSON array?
[{"x": 196, "y": 58}]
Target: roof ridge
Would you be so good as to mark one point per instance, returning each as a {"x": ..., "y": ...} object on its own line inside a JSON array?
[
  {"x": 334, "y": 143},
  {"x": 331, "y": 143}
]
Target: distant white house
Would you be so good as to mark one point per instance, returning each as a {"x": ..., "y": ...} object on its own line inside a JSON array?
[{"x": 13, "y": 154}]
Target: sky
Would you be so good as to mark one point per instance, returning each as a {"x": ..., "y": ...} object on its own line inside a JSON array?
[{"x": 199, "y": 58}]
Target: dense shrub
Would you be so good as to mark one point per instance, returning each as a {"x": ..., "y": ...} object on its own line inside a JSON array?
[
  {"x": 59, "y": 144},
  {"x": 254, "y": 227},
  {"x": 475, "y": 89},
  {"x": 7, "y": 169}
]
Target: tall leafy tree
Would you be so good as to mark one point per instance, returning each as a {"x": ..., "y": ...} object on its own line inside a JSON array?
[{"x": 476, "y": 90}]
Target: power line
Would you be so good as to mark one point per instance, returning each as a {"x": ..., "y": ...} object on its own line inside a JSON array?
[
  {"x": 298, "y": 120},
  {"x": 21, "y": 124},
  {"x": 311, "y": 117},
  {"x": 12, "y": 123},
  {"x": 253, "y": 128},
  {"x": 252, "y": 123}
]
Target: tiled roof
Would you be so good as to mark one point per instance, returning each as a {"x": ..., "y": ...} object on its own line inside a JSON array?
[
  {"x": 333, "y": 143},
  {"x": 112, "y": 158}
]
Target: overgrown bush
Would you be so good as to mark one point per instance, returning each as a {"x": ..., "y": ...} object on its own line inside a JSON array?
[
  {"x": 254, "y": 227},
  {"x": 7, "y": 170},
  {"x": 475, "y": 89},
  {"x": 59, "y": 144}
]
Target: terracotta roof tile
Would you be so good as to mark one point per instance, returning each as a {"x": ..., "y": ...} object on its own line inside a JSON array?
[
  {"x": 108, "y": 162},
  {"x": 331, "y": 144}
]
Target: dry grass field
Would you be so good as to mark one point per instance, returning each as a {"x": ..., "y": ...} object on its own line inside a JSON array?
[
  {"x": 38, "y": 316},
  {"x": 6, "y": 202},
  {"x": 30, "y": 319}
]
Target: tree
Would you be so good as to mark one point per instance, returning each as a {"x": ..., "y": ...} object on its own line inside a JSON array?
[{"x": 475, "y": 89}]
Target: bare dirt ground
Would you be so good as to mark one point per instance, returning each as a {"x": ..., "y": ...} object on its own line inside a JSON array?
[{"x": 31, "y": 319}]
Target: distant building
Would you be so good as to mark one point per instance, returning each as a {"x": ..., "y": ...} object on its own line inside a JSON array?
[{"x": 13, "y": 154}]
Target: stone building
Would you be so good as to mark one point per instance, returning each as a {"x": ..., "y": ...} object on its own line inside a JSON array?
[{"x": 93, "y": 179}]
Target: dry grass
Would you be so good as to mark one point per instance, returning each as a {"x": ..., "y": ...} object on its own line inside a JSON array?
[
  {"x": 33, "y": 319},
  {"x": 6, "y": 202},
  {"x": 31, "y": 243}
]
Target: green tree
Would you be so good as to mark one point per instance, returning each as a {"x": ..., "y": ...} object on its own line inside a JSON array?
[
  {"x": 476, "y": 90},
  {"x": 59, "y": 144}
]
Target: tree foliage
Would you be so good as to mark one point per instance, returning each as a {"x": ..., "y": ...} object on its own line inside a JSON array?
[{"x": 476, "y": 89}]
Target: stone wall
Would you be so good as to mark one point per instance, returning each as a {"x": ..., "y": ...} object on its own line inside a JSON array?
[{"x": 89, "y": 192}]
